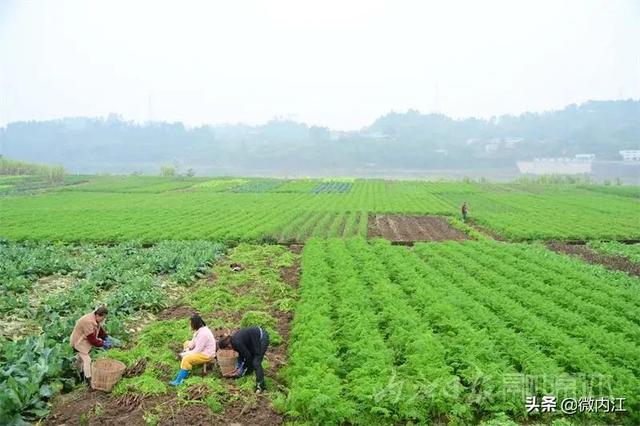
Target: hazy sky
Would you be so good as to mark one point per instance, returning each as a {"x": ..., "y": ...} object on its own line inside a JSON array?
[{"x": 335, "y": 63}]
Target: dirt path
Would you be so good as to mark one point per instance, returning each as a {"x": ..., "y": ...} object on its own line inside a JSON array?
[
  {"x": 98, "y": 408},
  {"x": 616, "y": 263},
  {"x": 241, "y": 413},
  {"x": 176, "y": 312},
  {"x": 241, "y": 407},
  {"x": 406, "y": 229}
]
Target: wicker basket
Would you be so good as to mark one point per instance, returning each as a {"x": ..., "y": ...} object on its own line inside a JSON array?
[
  {"x": 227, "y": 360},
  {"x": 105, "y": 373}
]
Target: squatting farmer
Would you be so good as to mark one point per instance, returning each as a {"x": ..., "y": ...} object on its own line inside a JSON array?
[
  {"x": 87, "y": 334},
  {"x": 201, "y": 349},
  {"x": 465, "y": 211},
  {"x": 251, "y": 344}
]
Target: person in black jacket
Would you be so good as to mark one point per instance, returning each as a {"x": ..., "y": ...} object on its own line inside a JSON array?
[{"x": 251, "y": 344}]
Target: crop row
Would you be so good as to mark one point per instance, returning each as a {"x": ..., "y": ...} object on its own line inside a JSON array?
[{"x": 460, "y": 331}]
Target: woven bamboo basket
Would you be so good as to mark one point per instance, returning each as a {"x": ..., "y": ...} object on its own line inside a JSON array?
[
  {"x": 227, "y": 360},
  {"x": 105, "y": 373}
]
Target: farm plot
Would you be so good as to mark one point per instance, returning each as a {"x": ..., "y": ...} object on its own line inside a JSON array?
[
  {"x": 13, "y": 181},
  {"x": 133, "y": 184},
  {"x": 609, "y": 257},
  {"x": 458, "y": 332},
  {"x": 435, "y": 187},
  {"x": 45, "y": 288},
  {"x": 262, "y": 293},
  {"x": 406, "y": 229},
  {"x": 630, "y": 251},
  {"x": 15, "y": 185},
  {"x": 332, "y": 187},
  {"x": 326, "y": 224},
  {"x": 560, "y": 214},
  {"x": 632, "y": 191},
  {"x": 266, "y": 185},
  {"x": 263, "y": 212},
  {"x": 218, "y": 185},
  {"x": 297, "y": 186}
]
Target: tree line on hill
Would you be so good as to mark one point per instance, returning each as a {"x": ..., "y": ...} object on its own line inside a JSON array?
[{"x": 408, "y": 140}]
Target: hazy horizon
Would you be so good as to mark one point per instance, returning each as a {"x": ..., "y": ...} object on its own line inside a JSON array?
[
  {"x": 144, "y": 122},
  {"x": 330, "y": 64}
]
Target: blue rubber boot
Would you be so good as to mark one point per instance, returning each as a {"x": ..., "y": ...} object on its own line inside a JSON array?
[{"x": 179, "y": 378}]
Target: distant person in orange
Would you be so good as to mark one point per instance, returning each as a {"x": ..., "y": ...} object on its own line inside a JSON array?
[{"x": 465, "y": 211}]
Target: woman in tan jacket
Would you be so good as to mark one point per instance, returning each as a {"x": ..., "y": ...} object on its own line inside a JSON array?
[{"x": 88, "y": 333}]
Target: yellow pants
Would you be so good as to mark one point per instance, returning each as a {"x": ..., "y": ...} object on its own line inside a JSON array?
[{"x": 188, "y": 361}]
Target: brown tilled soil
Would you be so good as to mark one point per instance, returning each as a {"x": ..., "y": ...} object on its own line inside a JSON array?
[
  {"x": 617, "y": 263},
  {"x": 176, "y": 312},
  {"x": 96, "y": 407},
  {"x": 99, "y": 408},
  {"x": 291, "y": 275},
  {"x": 406, "y": 229},
  {"x": 278, "y": 355},
  {"x": 296, "y": 248},
  {"x": 249, "y": 413}
]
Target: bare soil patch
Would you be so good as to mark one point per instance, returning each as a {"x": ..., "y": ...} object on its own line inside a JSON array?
[
  {"x": 277, "y": 355},
  {"x": 176, "y": 312},
  {"x": 616, "y": 263},
  {"x": 296, "y": 248},
  {"x": 258, "y": 412},
  {"x": 233, "y": 317},
  {"x": 406, "y": 229},
  {"x": 99, "y": 408},
  {"x": 167, "y": 371},
  {"x": 291, "y": 275}
]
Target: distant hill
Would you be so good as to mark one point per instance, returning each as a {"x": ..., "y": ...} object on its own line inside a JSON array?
[{"x": 408, "y": 140}]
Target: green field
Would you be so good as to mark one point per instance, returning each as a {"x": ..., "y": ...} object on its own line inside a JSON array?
[
  {"x": 363, "y": 331},
  {"x": 417, "y": 335},
  {"x": 133, "y": 184},
  {"x": 152, "y": 209},
  {"x": 631, "y": 251}
]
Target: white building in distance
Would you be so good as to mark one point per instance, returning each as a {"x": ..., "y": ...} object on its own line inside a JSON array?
[
  {"x": 630, "y": 154},
  {"x": 585, "y": 157}
]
